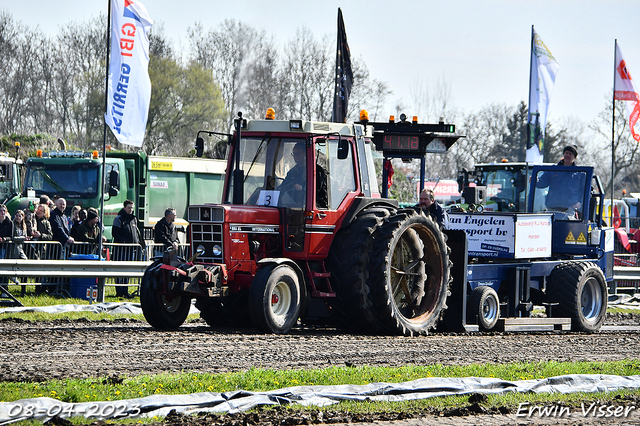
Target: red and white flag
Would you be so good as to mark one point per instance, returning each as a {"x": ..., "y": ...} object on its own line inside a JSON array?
[
  {"x": 624, "y": 90},
  {"x": 129, "y": 90}
]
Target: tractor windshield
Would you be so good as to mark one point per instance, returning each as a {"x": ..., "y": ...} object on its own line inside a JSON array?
[
  {"x": 275, "y": 171},
  {"x": 505, "y": 189},
  {"x": 560, "y": 190}
]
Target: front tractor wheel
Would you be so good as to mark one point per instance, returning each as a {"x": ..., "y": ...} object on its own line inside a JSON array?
[
  {"x": 412, "y": 272},
  {"x": 162, "y": 310},
  {"x": 580, "y": 289},
  {"x": 275, "y": 298}
]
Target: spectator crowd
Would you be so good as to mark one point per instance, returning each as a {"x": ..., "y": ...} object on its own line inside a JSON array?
[{"x": 27, "y": 234}]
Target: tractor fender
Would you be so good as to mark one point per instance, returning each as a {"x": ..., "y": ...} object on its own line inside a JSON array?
[
  {"x": 361, "y": 203},
  {"x": 285, "y": 261}
]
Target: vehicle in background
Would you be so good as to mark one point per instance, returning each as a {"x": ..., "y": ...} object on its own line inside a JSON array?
[{"x": 152, "y": 182}]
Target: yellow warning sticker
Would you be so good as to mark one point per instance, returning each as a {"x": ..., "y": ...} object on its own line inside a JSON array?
[
  {"x": 161, "y": 165},
  {"x": 581, "y": 239},
  {"x": 570, "y": 239}
]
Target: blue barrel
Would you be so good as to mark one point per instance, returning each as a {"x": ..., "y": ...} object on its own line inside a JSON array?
[{"x": 78, "y": 286}]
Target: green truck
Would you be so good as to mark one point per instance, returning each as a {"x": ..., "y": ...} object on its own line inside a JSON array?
[
  {"x": 10, "y": 178},
  {"x": 153, "y": 183}
]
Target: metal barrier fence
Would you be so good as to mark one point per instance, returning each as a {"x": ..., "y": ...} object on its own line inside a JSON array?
[
  {"x": 625, "y": 278},
  {"x": 51, "y": 264}
]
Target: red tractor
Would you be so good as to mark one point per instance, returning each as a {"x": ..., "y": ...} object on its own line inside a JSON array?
[{"x": 304, "y": 235}]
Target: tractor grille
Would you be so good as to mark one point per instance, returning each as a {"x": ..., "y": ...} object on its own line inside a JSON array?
[{"x": 209, "y": 236}]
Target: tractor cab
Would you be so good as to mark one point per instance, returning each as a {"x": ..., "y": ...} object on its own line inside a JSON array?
[
  {"x": 300, "y": 176},
  {"x": 574, "y": 195}
]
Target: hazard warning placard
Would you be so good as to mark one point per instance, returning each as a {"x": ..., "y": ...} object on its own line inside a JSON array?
[
  {"x": 581, "y": 239},
  {"x": 570, "y": 238}
]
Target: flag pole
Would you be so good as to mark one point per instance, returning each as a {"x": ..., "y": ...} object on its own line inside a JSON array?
[
  {"x": 526, "y": 145},
  {"x": 613, "y": 124},
  {"x": 104, "y": 136}
]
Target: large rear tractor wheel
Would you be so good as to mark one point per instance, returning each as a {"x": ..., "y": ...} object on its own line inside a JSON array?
[
  {"x": 211, "y": 311},
  {"x": 483, "y": 304},
  {"x": 410, "y": 273},
  {"x": 348, "y": 262},
  {"x": 275, "y": 298},
  {"x": 162, "y": 310},
  {"x": 580, "y": 290}
]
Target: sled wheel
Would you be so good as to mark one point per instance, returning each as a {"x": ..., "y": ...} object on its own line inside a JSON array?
[
  {"x": 484, "y": 305},
  {"x": 580, "y": 290}
]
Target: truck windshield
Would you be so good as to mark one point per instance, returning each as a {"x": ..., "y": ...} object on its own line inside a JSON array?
[
  {"x": 274, "y": 171},
  {"x": 65, "y": 180}
]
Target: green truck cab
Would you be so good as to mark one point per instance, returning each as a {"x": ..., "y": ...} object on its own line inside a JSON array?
[
  {"x": 153, "y": 183},
  {"x": 10, "y": 177}
]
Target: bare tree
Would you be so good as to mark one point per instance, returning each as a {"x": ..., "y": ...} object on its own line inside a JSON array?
[
  {"x": 433, "y": 101},
  {"x": 262, "y": 89},
  {"x": 18, "y": 46},
  {"x": 307, "y": 86},
  {"x": 227, "y": 53},
  {"x": 625, "y": 149},
  {"x": 83, "y": 47},
  {"x": 366, "y": 93}
]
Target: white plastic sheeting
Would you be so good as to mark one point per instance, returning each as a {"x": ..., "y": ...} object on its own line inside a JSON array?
[
  {"x": 98, "y": 308},
  {"x": 236, "y": 401},
  {"x": 625, "y": 301}
]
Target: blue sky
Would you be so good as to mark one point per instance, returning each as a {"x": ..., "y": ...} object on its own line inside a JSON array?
[{"x": 479, "y": 48}]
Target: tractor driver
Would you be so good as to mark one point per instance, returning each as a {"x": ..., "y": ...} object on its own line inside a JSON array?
[
  {"x": 564, "y": 188},
  {"x": 295, "y": 182}
]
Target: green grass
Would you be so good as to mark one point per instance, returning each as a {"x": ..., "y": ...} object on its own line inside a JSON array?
[{"x": 104, "y": 389}]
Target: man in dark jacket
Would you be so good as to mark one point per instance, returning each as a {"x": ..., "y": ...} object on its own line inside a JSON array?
[
  {"x": 564, "y": 192},
  {"x": 60, "y": 223},
  {"x": 430, "y": 206},
  {"x": 6, "y": 233},
  {"x": 126, "y": 231},
  {"x": 165, "y": 232},
  {"x": 89, "y": 231}
]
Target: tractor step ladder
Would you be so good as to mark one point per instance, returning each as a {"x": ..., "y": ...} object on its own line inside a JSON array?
[{"x": 323, "y": 274}]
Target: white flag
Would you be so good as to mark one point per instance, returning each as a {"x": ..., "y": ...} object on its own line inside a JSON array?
[
  {"x": 543, "y": 76},
  {"x": 129, "y": 90},
  {"x": 624, "y": 90}
]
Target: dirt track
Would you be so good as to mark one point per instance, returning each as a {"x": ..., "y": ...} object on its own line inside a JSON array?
[
  {"x": 61, "y": 349},
  {"x": 66, "y": 349}
]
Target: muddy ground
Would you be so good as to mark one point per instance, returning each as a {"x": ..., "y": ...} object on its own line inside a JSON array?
[{"x": 79, "y": 349}]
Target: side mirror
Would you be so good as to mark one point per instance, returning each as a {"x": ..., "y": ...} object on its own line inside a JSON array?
[
  {"x": 113, "y": 191},
  {"x": 199, "y": 146},
  {"x": 343, "y": 149},
  {"x": 114, "y": 180}
]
